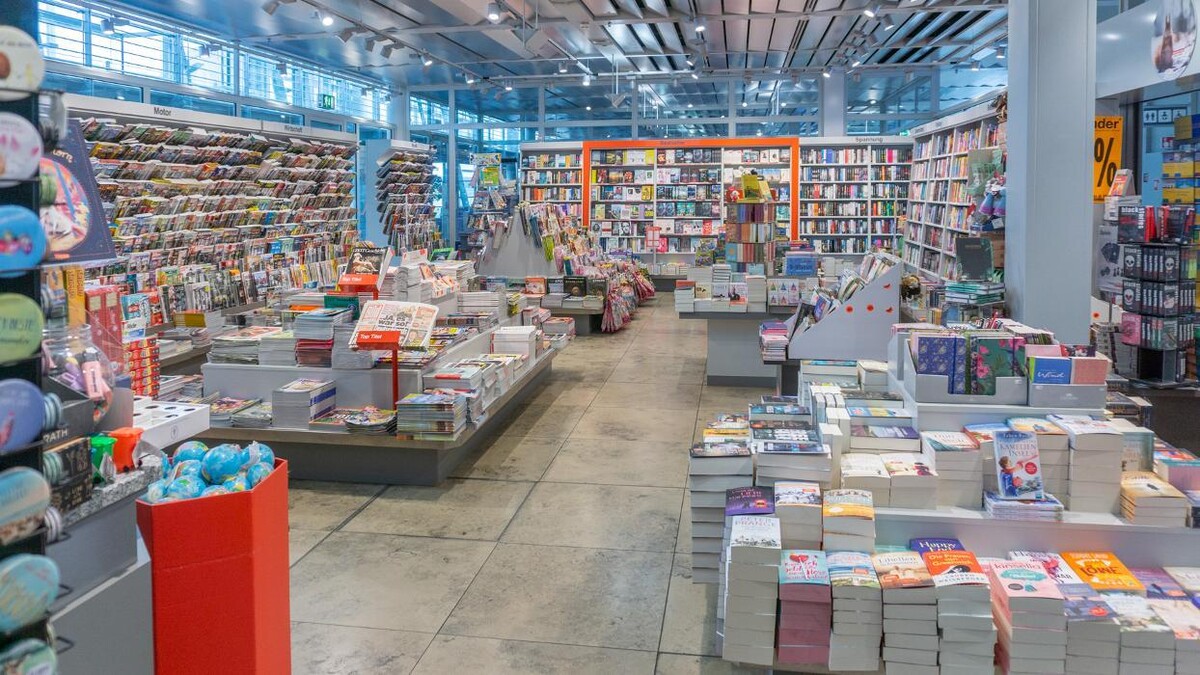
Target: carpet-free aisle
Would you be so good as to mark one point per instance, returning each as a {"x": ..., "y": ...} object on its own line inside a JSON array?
[{"x": 557, "y": 549}]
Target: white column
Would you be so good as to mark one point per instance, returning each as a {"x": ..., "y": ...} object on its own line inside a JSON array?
[
  {"x": 833, "y": 104},
  {"x": 1051, "y": 113},
  {"x": 451, "y": 173}
]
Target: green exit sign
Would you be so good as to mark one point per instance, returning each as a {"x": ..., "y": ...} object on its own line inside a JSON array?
[{"x": 327, "y": 102}]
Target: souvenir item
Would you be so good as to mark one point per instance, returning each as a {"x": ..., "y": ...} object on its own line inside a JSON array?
[
  {"x": 22, "y": 241},
  {"x": 29, "y": 657},
  {"x": 20, "y": 326},
  {"x": 76, "y": 362},
  {"x": 20, "y": 149},
  {"x": 53, "y": 521},
  {"x": 24, "y": 497},
  {"x": 53, "y": 410},
  {"x": 22, "y": 414},
  {"x": 66, "y": 219},
  {"x": 28, "y": 584},
  {"x": 21, "y": 64}
]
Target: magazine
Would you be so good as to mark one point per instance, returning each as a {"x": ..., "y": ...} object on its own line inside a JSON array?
[{"x": 390, "y": 324}]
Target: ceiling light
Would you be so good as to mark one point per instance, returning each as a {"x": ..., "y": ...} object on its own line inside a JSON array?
[
  {"x": 701, "y": 25},
  {"x": 326, "y": 19},
  {"x": 887, "y": 22},
  {"x": 493, "y": 12},
  {"x": 587, "y": 80},
  {"x": 108, "y": 26},
  {"x": 783, "y": 104},
  {"x": 689, "y": 105},
  {"x": 508, "y": 87},
  {"x": 689, "y": 61},
  {"x": 974, "y": 66},
  {"x": 270, "y": 7},
  {"x": 562, "y": 68},
  {"x": 744, "y": 104},
  {"x": 826, "y": 74},
  {"x": 695, "y": 76},
  {"x": 872, "y": 101},
  {"x": 589, "y": 108},
  {"x": 387, "y": 51},
  {"x": 857, "y": 63},
  {"x": 470, "y": 79},
  {"x": 345, "y": 35},
  {"x": 427, "y": 61},
  {"x": 1001, "y": 53},
  {"x": 872, "y": 10}
]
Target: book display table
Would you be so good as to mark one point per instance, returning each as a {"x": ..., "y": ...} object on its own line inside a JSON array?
[
  {"x": 587, "y": 321},
  {"x": 734, "y": 359}
]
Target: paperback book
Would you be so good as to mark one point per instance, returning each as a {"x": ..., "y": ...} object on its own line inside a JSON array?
[{"x": 1018, "y": 470}]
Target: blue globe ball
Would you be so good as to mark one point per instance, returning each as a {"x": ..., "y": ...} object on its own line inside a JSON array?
[
  {"x": 185, "y": 487},
  {"x": 214, "y": 490},
  {"x": 257, "y": 473},
  {"x": 156, "y": 491},
  {"x": 188, "y": 467},
  {"x": 221, "y": 463},
  {"x": 236, "y": 483},
  {"x": 189, "y": 450},
  {"x": 255, "y": 453}
]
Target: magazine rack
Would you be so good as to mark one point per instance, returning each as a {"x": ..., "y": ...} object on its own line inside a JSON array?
[{"x": 856, "y": 329}]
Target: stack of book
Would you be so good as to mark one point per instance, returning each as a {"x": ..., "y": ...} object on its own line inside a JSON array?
[
  {"x": 827, "y": 371},
  {"x": 756, "y": 293},
  {"x": 485, "y": 302},
  {"x": 559, "y": 325},
  {"x": 1093, "y": 636},
  {"x": 685, "y": 295},
  {"x": 910, "y": 616},
  {"x": 257, "y": 416},
  {"x": 773, "y": 340},
  {"x": 223, "y": 408},
  {"x": 278, "y": 349},
  {"x": 967, "y": 633},
  {"x": 1047, "y": 508},
  {"x": 239, "y": 346},
  {"x": 713, "y": 468},
  {"x": 959, "y": 466},
  {"x": 881, "y": 438},
  {"x": 431, "y": 417},
  {"x": 1096, "y": 453},
  {"x": 751, "y": 590},
  {"x": 316, "y": 353},
  {"x": 797, "y": 460},
  {"x": 371, "y": 421},
  {"x": 1054, "y": 454},
  {"x": 798, "y": 508},
  {"x": 848, "y": 521},
  {"x": 985, "y": 436},
  {"x": 872, "y": 375},
  {"x": 914, "y": 483},
  {"x": 1030, "y": 616},
  {"x": 857, "y": 612},
  {"x": 1147, "y": 499},
  {"x": 805, "y": 607},
  {"x": 299, "y": 402},
  {"x": 861, "y": 471},
  {"x": 516, "y": 340},
  {"x": 344, "y": 357},
  {"x": 887, "y": 416},
  {"x": 318, "y": 324},
  {"x": 1147, "y": 642},
  {"x": 1182, "y": 617}
]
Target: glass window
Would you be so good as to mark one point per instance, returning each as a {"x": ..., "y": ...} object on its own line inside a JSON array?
[
  {"x": 62, "y": 35},
  {"x": 270, "y": 115},
  {"x": 322, "y": 124},
  {"x": 957, "y": 85},
  {"x": 366, "y": 133},
  {"x": 201, "y": 103},
  {"x": 888, "y": 93}
]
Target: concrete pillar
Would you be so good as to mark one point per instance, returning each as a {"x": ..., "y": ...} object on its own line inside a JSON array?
[
  {"x": 1051, "y": 113},
  {"x": 833, "y": 104}
]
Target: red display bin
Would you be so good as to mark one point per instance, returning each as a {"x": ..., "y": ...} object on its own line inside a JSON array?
[{"x": 219, "y": 569}]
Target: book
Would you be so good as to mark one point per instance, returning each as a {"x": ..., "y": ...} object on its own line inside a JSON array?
[
  {"x": 851, "y": 569},
  {"x": 1026, "y": 586},
  {"x": 900, "y": 570},
  {"x": 754, "y": 540},
  {"x": 855, "y": 504},
  {"x": 1081, "y": 602},
  {"x": 1181, "y": 616},
  {"x": 926, "y": 544},
  {"x": 744, "y": 501},
  {"x": 802, "y": 567},
  {"x": 1159, "y": 585},
  {"x": 949, "y": 567},
  {"x": 1018, "y": 471},
  {"x": 884, "y": 437},
  {"x": 1103, "y": 571},
  {"x": 948, "y": 441},
  {"x": 1058, "y": 569},
  {"x": 799, "y": 494},
  {"x": 1187, "y": 577}
]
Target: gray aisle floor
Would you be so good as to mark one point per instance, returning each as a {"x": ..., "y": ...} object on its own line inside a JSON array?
[{"x": 563, "y": 547}]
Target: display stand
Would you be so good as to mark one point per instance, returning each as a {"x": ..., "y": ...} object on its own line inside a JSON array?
[
  {"x": 514, "y": 255},
  {"x": 734, "y": 358}
]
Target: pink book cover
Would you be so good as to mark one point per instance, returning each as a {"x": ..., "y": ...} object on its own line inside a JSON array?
[
  {"x": 805, "y": 607},
  {"x": 804, "y": 622},
  {"x": 804, "y": 637},
  {"x": 1088, "y": 370},
  {"x": 1044, "y": 350},
  {"x": 1023, "y": 579},
  {"x": 803, "y": 654}
]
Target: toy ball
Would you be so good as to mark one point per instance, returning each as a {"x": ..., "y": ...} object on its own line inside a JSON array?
[
  {"x": 257, "y": 473},
  {"x": 185, "y": 487},
  {"x": 190, "y": 450},
  {"x": 256, "y": 453},
  {"x": 214, "y": 490},
  {"x": 221, "y": 463},
  {"x": 188, "y": 467},
  {"x": 237, "y": 483},
  {"x": 156, "y": 491}
]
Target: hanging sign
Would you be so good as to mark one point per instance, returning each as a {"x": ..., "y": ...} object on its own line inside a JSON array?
[{"x": 1106, "y": 155}]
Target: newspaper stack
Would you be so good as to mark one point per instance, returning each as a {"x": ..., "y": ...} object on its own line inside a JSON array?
[
  {"x": 318, "y": 324},
  {"x": 278, "y": 349},
  {"x": 299, "y": 402},
  {"x": 255, "y": 417},
  {"x": 239, "y": 346}
]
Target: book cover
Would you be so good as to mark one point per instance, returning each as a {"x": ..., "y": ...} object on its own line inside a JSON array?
[
  {"x": 702, "y": 450},
  {"x": 851, "y": 568},
  {"x": 1188, "y": 577},
  {"x": 926, "y": 544},
  {"x": 954, "y": 568},
  {"x": 884, "y": 431},
  {"x": 1024, "y": 579},
  {"x": 1055, "y": 566},
  {"x": 1180, "y": 616},
  {"x": 797, "y": 494},
  {"x": 1159, "y": 585},
  {"x": 1050, "y": 369},
  {"x": 905, "y": 464},
  {"x": 949, "y": 441},
  {"x": 863, "y": 465},
  {"x": 985, "y": 433},
  {"x": 754, "y": 531},
  {"x": 803, "y": 567},
  {"x": 875, "y": 412},
  {"x": 1081, "y": 602},
  {"x": 1134, "y": 613},
  {"x": 848, "y": 503},
  {"x": 1103, "y": 571},
  {"x": 1035, "y": 425},
  {"x": 1018, "y": 470},
  {"x": 901, "y": 569},
  {"x": 746, "y": 501}
]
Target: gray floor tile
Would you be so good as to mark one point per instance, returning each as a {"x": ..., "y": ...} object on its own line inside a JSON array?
[
  {"x": 319, "y": 505},
  {"x": 564, "y": 595},
  {"x": 457, "y": 508},
  {"x": 565, "y": 393},
  {"x": 734, "y": 398},
  {"x": 511, "y": 458},
  {"x": 657, "y": 368},
  {"x": 544, "y": 421},
  {"x": 648, "y": 396},
  {"x": 456, "y": 654},
  {"x": 384, "y": 581},
  {"x": 690, "y": 626},
  {"x": 683, "y": 544},
  {"x": 679, "y": 664},
  {"x": 598, "y": 516},
  {"x": 319, "y": 649},
  {"x": 635, "y": 425},
  {"x": 301, "y": 542},
  {"x": 617, "y": 462}
]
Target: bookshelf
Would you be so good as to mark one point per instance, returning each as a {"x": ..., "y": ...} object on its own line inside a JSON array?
[
  {"x": 939, "y": 203},
  {"x": 852, "y": 192},
  {"x": 552, "y": 173}
]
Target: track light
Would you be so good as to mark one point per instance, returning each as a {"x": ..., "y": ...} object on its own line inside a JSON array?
[
  {"x": 826, "y": 74},
  {"x": 701, "y": 24},
  {"x": 872, "y": 10},
  {"x": 783, "y": 104},
  {"x": 887, "y": 22},
  {"x": 588, "y": 108},
  {"x": 507, "y": 87},
  {"x": 387, "y": 50},
  {"x": 369, "y": 44},
  {"x": 689, "y": 62},
  {"x": 1001, "y": 53},
  {"x": 872, "y": 101},
  {"x": 108, "y": 26},
  {"x": 562, "y": 68},
  {"x": 745, "y": 104},
  {"x": 493, "y": 12},
  {"x": 345, "y": 34},
  {"x": 270, "y": 7},
  {"x": 695, "y": 76},
  {"x": 427, "y": 60},
  {"x": 689, "y": 105},
  {"x": 587, "y": 80},
  {"x": 324, "y": 18}
]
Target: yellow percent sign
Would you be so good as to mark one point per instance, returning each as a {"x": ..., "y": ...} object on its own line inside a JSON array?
[{"x": 1106, "y": 155}]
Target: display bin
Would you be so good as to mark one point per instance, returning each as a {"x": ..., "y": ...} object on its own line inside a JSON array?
[
  {"x": 219, "y": 568},
  {"x": 1068, "y": 395},
  {"x": 934, "y": 388}
]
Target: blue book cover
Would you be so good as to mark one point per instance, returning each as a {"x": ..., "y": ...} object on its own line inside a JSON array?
[
  {"x": 925, "y": 544},
  {"x": 749, "y": 501},
  {"x": 935, "y": 355},
  {"x": 958, "y": 375},
  {"x": 1050, "y": 370}
]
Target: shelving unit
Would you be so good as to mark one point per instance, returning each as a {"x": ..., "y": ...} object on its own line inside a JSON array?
[
  {"x": 553, "y": 173},
  {"x": 404, "y": 196},
  {"x": 852, "y": 192},
  {"x": 939, "y": 201}
]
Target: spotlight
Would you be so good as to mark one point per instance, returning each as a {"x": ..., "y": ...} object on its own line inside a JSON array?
[
  {"x": 507, "y": 87},
  {"x": 690, "y": 62},
  {"x": 1001, "y": 53},
  {"x": 345, "y": 35},
  {"x": 108, "y": 26},
  {"x": 695, "y": 76},
  {"x": 783, "y": 104},
  {"x": 689, "y": 105},
  {"x": 887, "y": 22},
  {"x": 587, "y": 80},
  {"x": 872, "y": 101},
  {"x": 744, "y": 104},
  {"x": 387, "y": 50},
  {"x": 589, "y": 108},
  {"x": 493, "y": 12},
  {"x": 270, "y": 7},
  {"x": 369, "y": 44},
  {"x": 826, "y": 74},
  {"x": 562, "y": 68},
  {"x": 427, "y": 61},
  {"x": 857, "y": 62},
  {"x": 470, "y": 79},
  {"x": 872, "y": 10},
  {"x": 326, "y": 19},
  {"x": 701, "y": 24}
]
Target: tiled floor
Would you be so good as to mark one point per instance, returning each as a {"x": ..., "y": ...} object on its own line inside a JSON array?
[{"x": 561, "y": 548}]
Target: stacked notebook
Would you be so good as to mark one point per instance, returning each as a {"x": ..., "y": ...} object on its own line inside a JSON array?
[
  {"x": 1147, "y": 499},
  {"x": 857, "y": 612},
  {"x": 751, "y": 590},
  {"x": 713, "y": 468},
  {"x": 805, "y": 607},
  {"x": 910, "y": 614},
  {"x": 913, "y": 483},
  {"x": 848, "y": 521},
  {"x": 798, "y": 508},
  {"x": 299, "y": 402},
  {"x": 1097, "y": 449}
]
